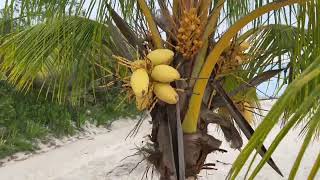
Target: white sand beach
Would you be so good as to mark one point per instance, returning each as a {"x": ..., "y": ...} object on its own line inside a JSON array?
[{"x": 101, "y": 156}]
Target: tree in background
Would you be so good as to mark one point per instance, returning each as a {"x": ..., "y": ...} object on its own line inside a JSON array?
[{"x": 190, "y": 63}]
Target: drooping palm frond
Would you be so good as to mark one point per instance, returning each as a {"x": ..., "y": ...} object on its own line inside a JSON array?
[
  {"x": 272, "y": 48},
  {"x": 294, "y": 47},
  {"x": 70, "y": 50},
  {"x": 72, "y": 41},
  {"x": 309, "y": 108}
]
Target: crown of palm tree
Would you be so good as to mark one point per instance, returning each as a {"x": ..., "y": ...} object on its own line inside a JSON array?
[{"x": 71, "y": 44}]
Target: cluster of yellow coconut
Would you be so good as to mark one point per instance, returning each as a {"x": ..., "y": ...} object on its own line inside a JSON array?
[
  {"x": 189, "y": 34},
  {"x": 246, "y": 109},
  {"x": 152, "y": 76},
  {"x": 233, "y": 57}
]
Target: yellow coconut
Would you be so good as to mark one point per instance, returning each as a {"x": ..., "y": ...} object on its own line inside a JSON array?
[
  {"x": 137, "y": 64},
  {"x": 165, "y": 93},
  {"x": 164, "y": 73},
  {"x": 139, "y": 82},
  {"x": 247, "y": 112},
  {"x": 161, "y": 56}
]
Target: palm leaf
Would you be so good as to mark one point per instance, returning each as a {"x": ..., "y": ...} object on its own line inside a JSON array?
[
  {"x": 309, "y": 75},
  {"x": 69, "y": 48},
  {"x": 125, "y": 29},
  {"x": 242, "y": 123}
]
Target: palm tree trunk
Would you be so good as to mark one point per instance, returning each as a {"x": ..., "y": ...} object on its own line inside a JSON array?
[
  {"x": 196, "y": 146},
  {"x": 162, "y": 138}
]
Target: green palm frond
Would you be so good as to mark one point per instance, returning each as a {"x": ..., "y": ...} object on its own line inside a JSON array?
[
  {"x": 311, "y": 101},
  {"x": 315, "y": 168},
  {"x": 296, "y": 48},
  {"x": 67, "y": 48},
  {"x": 270, "y": 44},
  {"x": 272, "y": 48}
]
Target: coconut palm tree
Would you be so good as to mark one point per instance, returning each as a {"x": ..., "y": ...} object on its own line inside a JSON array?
[{"x": 223, "y": 50}]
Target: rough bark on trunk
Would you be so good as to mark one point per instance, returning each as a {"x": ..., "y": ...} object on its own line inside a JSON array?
[
  {"x": 161, "y": 137},
  {"x": 196, "y": 146}
]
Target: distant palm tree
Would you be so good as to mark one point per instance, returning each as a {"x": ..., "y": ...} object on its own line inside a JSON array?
[{"x": 223, "y": 50}]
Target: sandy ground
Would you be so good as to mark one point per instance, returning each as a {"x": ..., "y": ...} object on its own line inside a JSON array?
[{"x": 100, "y": 156}]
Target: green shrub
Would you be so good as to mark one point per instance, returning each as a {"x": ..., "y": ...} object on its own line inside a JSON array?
[{"x": 26, "y": 117}]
